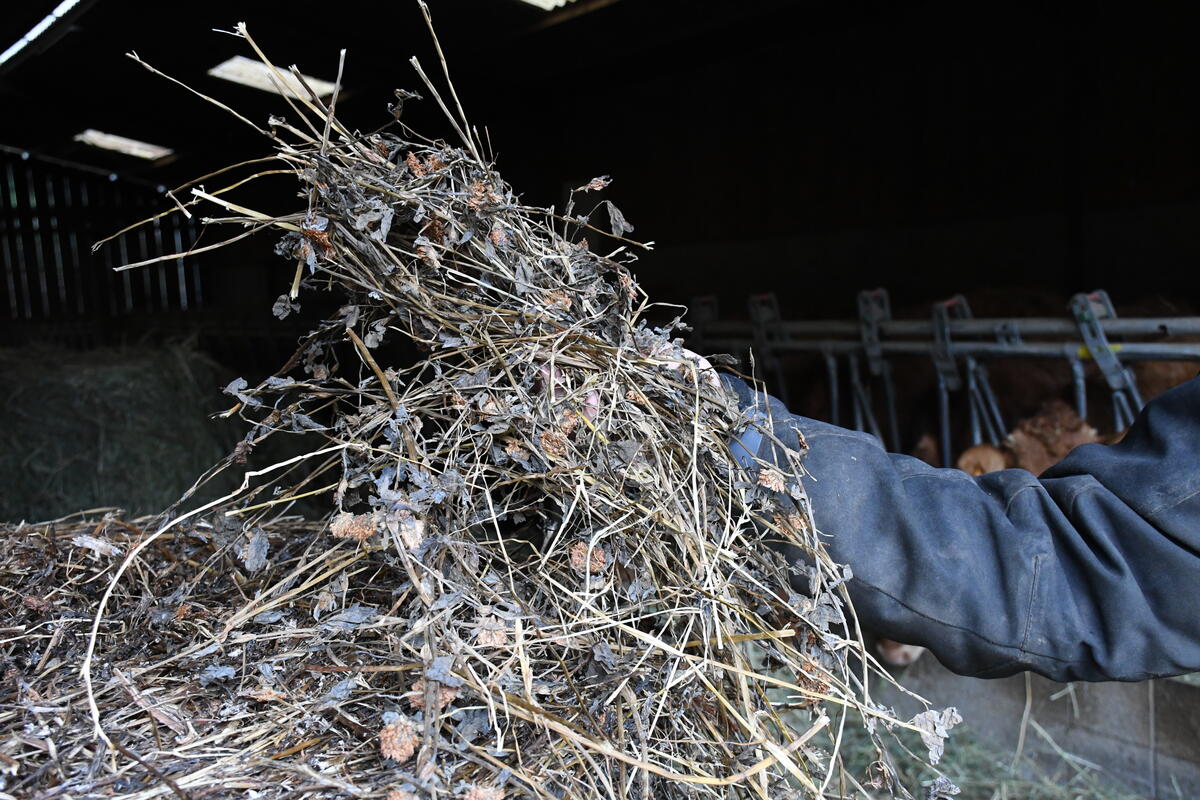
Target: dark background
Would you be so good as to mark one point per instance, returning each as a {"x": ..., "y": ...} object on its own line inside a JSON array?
[
  {"x": 811, "y": 149},
  {"x": 1017, "y": 154}
]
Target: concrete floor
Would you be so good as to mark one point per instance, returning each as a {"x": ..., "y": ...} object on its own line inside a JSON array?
[{"x": 1107, "y": 724}]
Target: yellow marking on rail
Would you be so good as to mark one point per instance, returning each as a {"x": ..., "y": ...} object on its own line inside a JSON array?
[{"x": 1085, "y": 353}]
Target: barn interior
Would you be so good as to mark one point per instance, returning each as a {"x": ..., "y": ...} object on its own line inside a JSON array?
[{"x": 805, "y": 151}]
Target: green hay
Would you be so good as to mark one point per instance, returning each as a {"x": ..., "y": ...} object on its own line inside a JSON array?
[{"x": 120, "y": 426}]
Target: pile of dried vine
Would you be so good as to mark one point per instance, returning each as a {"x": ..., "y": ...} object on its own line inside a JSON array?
[{"x": 543, "y": 572}]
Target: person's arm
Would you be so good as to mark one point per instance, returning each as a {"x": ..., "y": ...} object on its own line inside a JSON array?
[{"x": 1090, "y": 573}]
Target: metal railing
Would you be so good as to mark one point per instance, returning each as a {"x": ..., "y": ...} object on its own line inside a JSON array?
[
  {"x": 958, "y": 345},
  {"x": 51, "y": 211}
]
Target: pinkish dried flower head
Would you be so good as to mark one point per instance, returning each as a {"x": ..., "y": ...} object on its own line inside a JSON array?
[
  {"x": 587, "y": 559},
  {"x": 484, "y": 793},
  {"x": 443, "y": 697},
  {"x": 772, "y": 479},
  {"x": 398, "y": 740},
  {"x": 491, "y": 632},
  {"x": 558, "y": 300},
  {"x": 514, "y": 450},
  {"x": 353, "y": 526},
  {"x": 554, "y": 444}
]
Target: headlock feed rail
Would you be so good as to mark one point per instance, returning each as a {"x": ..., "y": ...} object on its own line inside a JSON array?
[{"x": 959, "y": 345}]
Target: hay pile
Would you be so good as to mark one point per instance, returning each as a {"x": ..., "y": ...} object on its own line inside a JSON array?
[
  {"x": 284, "y": 666},
  {"x": 542, "y": 575}
]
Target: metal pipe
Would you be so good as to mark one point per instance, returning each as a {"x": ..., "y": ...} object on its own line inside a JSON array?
[
  {"x": 1127, "y": 351},
  {"x": 1079, "y": 379},
  {"x": 889, "y": 399},
  {"x": 973, "y": 421},
  {"x": 831, "y": 374},
  {"x": 992, "y": 411},
  {"x": 1027, "y": 326},
  {"x": 864, "y": 415},
  {"x": 943, "y": 420}
]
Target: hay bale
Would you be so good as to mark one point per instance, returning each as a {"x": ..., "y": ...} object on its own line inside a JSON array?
[{"x": 123, "y": 427}]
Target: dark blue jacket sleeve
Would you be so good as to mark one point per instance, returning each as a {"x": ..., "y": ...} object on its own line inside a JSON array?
[{"x": 1090, "y": 573}]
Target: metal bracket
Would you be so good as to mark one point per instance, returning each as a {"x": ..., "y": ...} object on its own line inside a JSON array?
[
  {"x": 982, "y": 407},
  {"x": 864, "y": 417},
  {"x": 1088, "y": 310},
  {"x": 1008, "y": 332},
  {"x": 875, "y": 307},
  {"x": 1079, "y": 380},
  {"x": 831, "y": 377},
  {"x": 943, "y": 350},
  {"x": 769, "y": 331}
]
